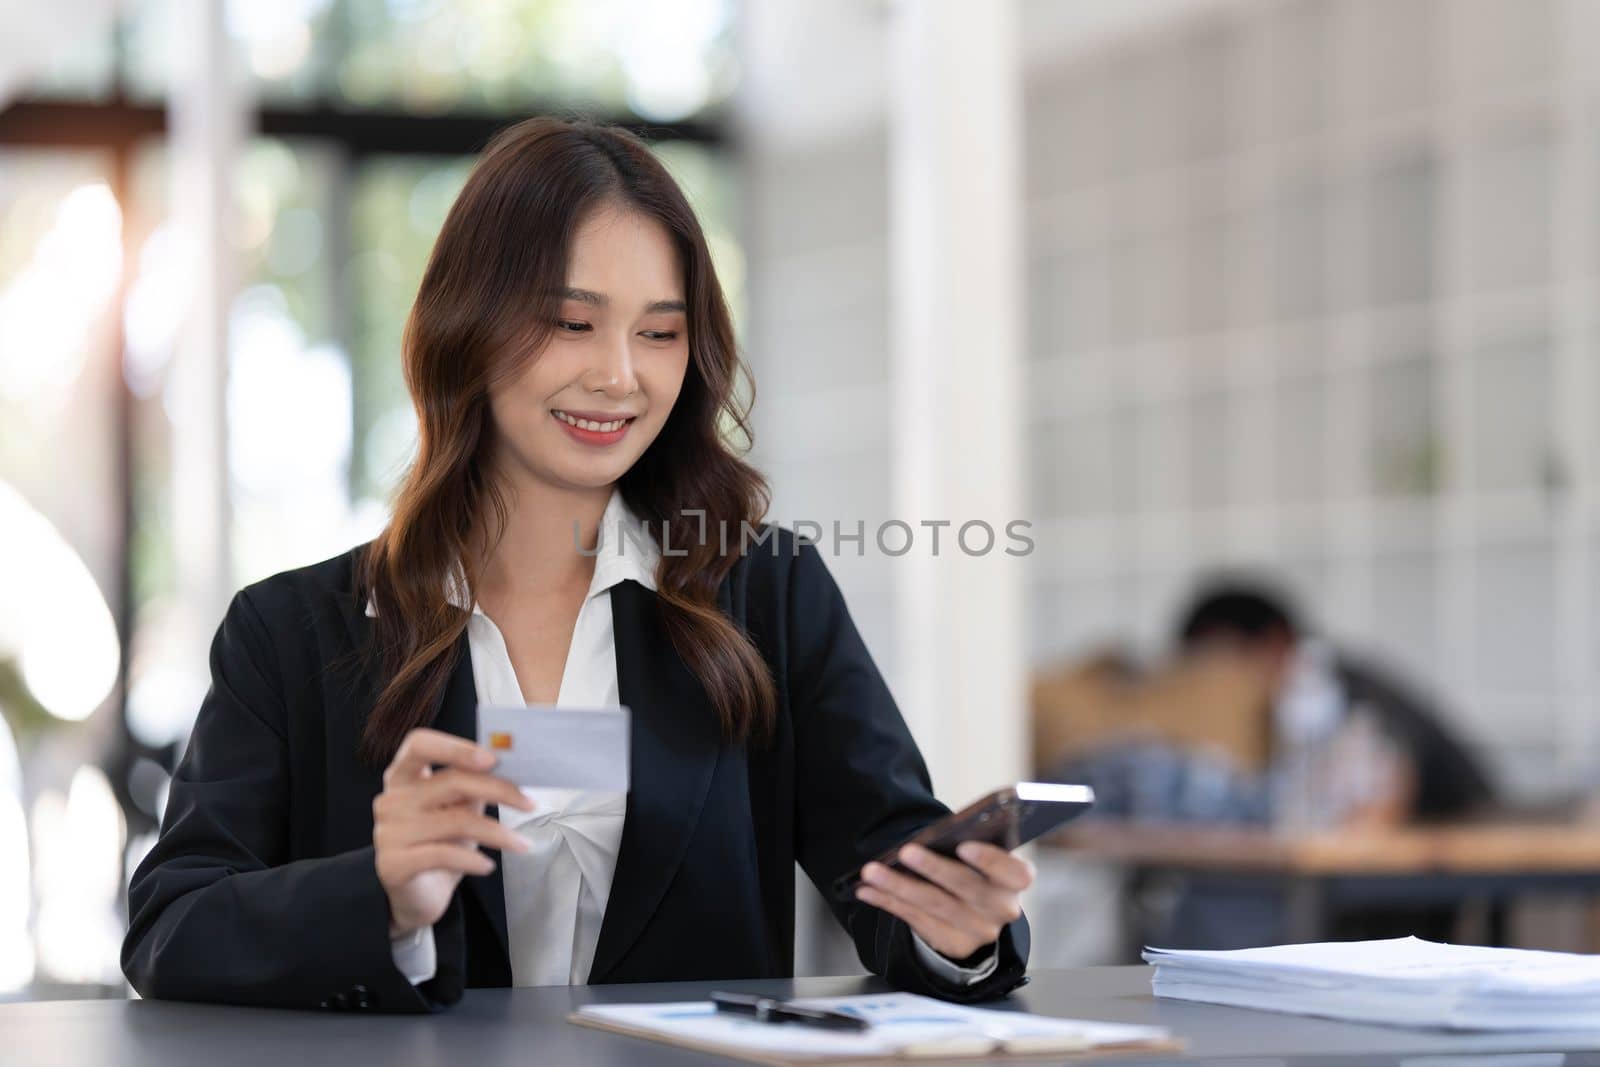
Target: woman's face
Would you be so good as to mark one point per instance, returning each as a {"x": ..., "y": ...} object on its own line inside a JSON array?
[{"x": 585, "y": 408}]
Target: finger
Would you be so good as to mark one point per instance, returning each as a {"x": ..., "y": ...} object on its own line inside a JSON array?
[
  {"x": 472, "y": 804},
  {"x": 457, "y": 825},
  {"x": 424, "y": 747},
  {"x": 453, "y": 786},
  {"x": 931, "y": 899},
  {"x": 954, "y": 876},
  {"x": 941, "y": 935},
  {"x": 447, "y": 789},
  {"x": 963, "y": 882},
  {"x": 999, "y": 866},
  {"x": 403, "y": 808},
  {"x": 439, "y": 856}
]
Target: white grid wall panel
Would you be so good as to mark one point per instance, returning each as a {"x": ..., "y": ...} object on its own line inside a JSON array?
[{"x": 1314, "y": 288}]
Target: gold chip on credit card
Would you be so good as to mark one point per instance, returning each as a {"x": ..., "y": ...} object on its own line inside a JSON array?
[{"x": 497, "y": 740}]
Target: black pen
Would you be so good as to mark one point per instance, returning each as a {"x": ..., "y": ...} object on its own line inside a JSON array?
[{"x": 773, "y": 1010}]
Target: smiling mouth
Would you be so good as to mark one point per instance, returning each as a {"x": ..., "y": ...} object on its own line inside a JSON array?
[{"x": 593, "y": 425}]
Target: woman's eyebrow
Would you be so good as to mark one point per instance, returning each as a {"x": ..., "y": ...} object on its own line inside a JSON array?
[{"x": 594, "y": 299}]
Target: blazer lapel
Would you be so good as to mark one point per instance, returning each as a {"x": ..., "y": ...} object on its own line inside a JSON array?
[
  {"x": 459, "y": 715},
  {"x": 352, "y": 691},
  {"x": 676, "y": 742}
]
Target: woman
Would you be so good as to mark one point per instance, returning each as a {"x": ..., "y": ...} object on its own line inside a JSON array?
[{"x": 573, "y": 531}]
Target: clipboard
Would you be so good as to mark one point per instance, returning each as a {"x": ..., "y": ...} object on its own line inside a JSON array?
[{"x": 695, "y": 1026}]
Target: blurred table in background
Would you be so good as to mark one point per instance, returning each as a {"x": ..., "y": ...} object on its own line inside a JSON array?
[{"x": 1324, "y": 872}]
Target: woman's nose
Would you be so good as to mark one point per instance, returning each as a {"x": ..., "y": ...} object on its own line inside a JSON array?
[{"x": 611, "y": 370}]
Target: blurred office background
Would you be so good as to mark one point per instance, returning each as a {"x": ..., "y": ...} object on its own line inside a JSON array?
[{"x": 1303, "y": 286}]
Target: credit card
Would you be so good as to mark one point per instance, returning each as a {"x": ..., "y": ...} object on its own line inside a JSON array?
[{"x": 545, "y": 747}]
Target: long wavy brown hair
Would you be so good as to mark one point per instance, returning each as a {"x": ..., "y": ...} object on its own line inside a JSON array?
[{"x": 487, "y": 303}]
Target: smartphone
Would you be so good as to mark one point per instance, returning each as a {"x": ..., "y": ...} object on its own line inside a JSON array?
[{"x": 1007, "y": 817}]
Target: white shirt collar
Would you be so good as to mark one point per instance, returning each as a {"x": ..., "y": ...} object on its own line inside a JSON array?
[{"x": 624, "y": 550}]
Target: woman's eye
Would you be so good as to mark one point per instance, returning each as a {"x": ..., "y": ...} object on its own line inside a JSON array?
[{"x": 571, "y": 326}]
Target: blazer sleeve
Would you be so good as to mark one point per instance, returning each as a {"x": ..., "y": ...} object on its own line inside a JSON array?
[
  {"x": 217, "y": 909},
  {"x": 861, "y": 784}
]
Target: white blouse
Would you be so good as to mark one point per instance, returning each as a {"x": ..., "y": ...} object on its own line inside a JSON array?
[{"x": 556, "y": 892}]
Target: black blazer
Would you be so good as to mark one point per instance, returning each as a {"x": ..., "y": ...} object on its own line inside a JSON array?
[{"x": 262, "y": 888}]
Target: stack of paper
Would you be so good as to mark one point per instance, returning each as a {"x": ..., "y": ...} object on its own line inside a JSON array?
[
  {"x": 1403, "y": 982},
  {"x": 903, "y": 1024}
]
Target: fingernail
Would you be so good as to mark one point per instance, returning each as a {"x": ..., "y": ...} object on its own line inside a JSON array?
[
  {"x": 484, "y": 757},
  {"x": 967, "y": 851},
  {"x": 912, "y": 854},
  {"x": 871, "y": 872}
]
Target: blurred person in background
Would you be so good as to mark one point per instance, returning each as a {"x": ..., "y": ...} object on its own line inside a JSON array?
[
  {"x": 1335, "y": 713},
  {"x": 332, "y": 835},
  {"x": 1350, "y": 746}
]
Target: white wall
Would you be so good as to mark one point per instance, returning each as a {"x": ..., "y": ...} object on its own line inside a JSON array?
[{"x": 1312, "y": 287}]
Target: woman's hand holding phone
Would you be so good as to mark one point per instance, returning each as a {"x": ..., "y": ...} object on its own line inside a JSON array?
[
  {"x": 430, "y": 819},
  {"x": 957, "y": 907}
]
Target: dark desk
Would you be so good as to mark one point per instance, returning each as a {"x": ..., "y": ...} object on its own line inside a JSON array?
[{"x": 526, "y": 1027}]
